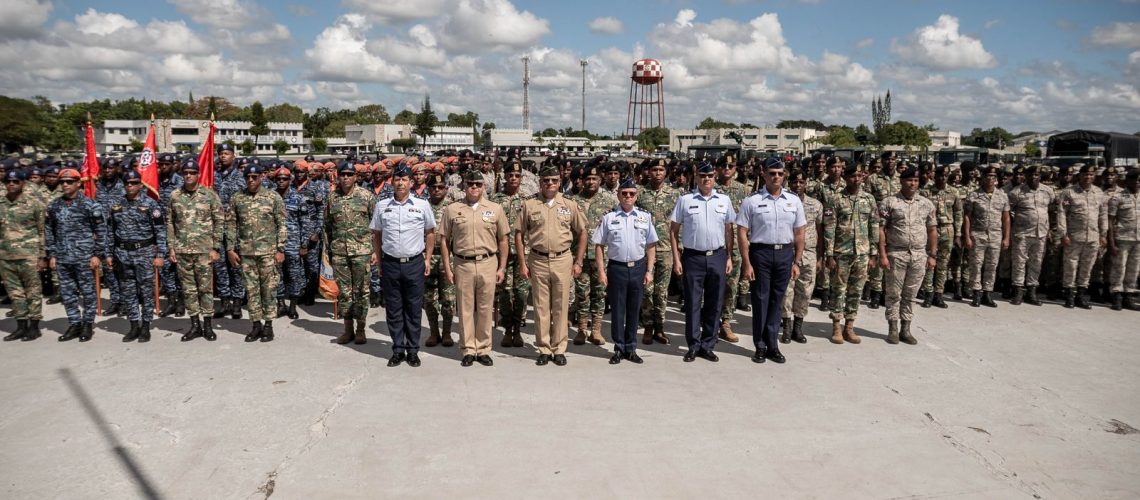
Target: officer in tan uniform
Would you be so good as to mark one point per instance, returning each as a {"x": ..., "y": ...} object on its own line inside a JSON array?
[
  {"x": 985, "y": 231},
  {"x": 798, "y": 296},
  {"x": 1124, "y": 241},
  {"x": 908, "y": 246},
  {"x": 548, "y": 224},
  {"x": 474, "y": 231},
  {"x": 1082, "y": 221},
  {"x": 1029, "y": 205}
]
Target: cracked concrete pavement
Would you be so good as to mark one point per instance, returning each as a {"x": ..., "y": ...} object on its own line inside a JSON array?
[{"x": 1017, "y": 402}]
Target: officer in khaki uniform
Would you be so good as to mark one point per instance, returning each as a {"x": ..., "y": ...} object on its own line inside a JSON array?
[
  {"x": 908, "y": 245},
  {"x": 1029, "y": 205},
  {"x": 799, "y": 292},
  {"x": 1124, "y": 241},
  {"x": 548, "y": 224},
  {"x": 985, "y": 231},
  {"x": 474, "y": 231},
  {"x": 1082, "y": 221}
]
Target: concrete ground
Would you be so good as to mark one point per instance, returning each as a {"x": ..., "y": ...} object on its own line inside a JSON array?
[{"x": 1014, "y": 402}]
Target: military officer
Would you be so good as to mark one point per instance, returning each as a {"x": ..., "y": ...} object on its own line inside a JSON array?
[
  {"x": 799, "y": 291},
  {"x": 882, "y": 185},
  {"x": 948, "y": 210},
  {"x": 706, "y": 218},
  {"x": 136, "y": 247},
  {"x": 194, "y": 226},
  {"x": 21, "y": 255},
  {"x": 228, "y": 181},
  {"x": 1029, "y": 205},
  {"x": 108, "y": 188},
  {"x": 736, "y": 192},
  {"x": 908, "y": 248},
  {"x": 255, "y": 225},
  {"x": 439, "y": 297},
  {"x": 626, "y": 236},
  {"x": 403, "y": 227},
  {"x": 474, "y": 231},
  {"x": 985, "y": 231},
  {"x": 590, "y": 293},
  {"x": 314, "y": 191},
  {"x": 1082, "y": 220},
  {"x": 297, "y": 218},
  {"x": 513, "y": 292},
  {"x": 658, "y": 199},
  {"x": 824, "y": 191},
  {"x": 549, "y": 224},
  {"x": 347, "y": 214},
  {"x": 1124, "y": 241},
  {"x": 169, "y": 180},
  {"x": 851, "y": 246},
  {"x": 75, "y": 233}
]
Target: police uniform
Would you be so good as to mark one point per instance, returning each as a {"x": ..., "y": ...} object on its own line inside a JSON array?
[
  {"x": 909, "y": 234},
  {"x": 589, "y": 293},
  {"x": 439, "y": 294},
  {"x": 168, "y": 273},
  {"x": 1123, "y": 213},
  {"x": 1082, "y": 220},
  {"x": 1029, "y": 210},
  {"x": 314, "y": 191},
  {"x": 194, "y": 226},
  {"x": 109, "y": 188},
  {"x": 21, "y": 254},
  {"x": 513, "y": 293},
  {"x": 347, "y": 217},
  {"x": 75, "y": 240},
  {"x": 292, "y": 270},
  {"x": 136, "y": 239},
  {"x": 255, "y": 225}
]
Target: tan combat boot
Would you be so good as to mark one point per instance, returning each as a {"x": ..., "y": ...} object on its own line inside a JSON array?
[
  {"x": 849, "y": 332},
  {"x": 360, "y": 338},
  {"x": 596, "y": 337},
  {"x": 836, "y": 332},
  {"x": 347, "y": 336},
  {"x": 445, "y": 328},
  {"x": 726, "y": 333},
  {"x": 433, "y": 326},
  {"x": 583, "y": 329}
]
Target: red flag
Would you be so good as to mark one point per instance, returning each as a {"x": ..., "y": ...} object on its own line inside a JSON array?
[
  {"x": 90, "y": 164},
  {"x": 206, "y": 160},
  {"x": 148, "y": 166}
]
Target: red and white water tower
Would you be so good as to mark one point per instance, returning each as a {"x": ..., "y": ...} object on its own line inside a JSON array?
[{"x": 646, "y": 97}]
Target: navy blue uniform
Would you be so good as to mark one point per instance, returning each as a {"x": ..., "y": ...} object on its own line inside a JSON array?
[
  {"x": 292, "y": 270},
  {"x": 228, "y": 282},
  {"x": 137, "y": 235},
  {"x": 105, "y": 193},
  {"x": 625, "y": 235},
  {"x": 704, "y": 261},
  {"x": 314, "y": 193},
  {"x": 76, "y": 231},
  {"x": 168, "y": 275}
]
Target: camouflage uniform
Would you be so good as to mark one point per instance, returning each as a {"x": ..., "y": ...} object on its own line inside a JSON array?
[
  {"x": 1083, "y": 217},
  {"x": 985, "y": 213},
  {"x": 511, "y": 296},
  {"x": 948, "y": 210},
  {"x": 659, "y": 203},
  {"x": 168, "y": 274},
  {"x": 21, "y": 247},
  {"x": 439, "y": 295},
  {"x": 1029, "y": 209},
  {"x": 1124, "y": 209},
  {"x": 228, "y": 278},
  {"x": 136, "y": 236},
  {"x": 350, "y": 247},
  {"x": 256, "y": 226},
  {"x": 851, "y": 237},
  {"x": 825, "y": 192},
  {"x": 736, "y": 192},
  {"x": 589, "y": 292},
  {"x": 881, "y": 186},
  {"x": 798, "y": 296},
  {"x": 292, "y": 270},
  {"x": 194, "y": 226},
  {"x": 75, "y": 230}
]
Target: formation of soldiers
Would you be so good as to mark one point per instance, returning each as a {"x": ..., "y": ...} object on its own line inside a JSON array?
[{"x": 886, "y": 232}]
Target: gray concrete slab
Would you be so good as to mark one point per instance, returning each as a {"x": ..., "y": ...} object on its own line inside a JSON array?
[{"x": 1017, "y": 402}]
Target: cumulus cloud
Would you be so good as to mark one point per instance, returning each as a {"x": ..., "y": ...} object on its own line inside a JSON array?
[
  {"x": 340, "y": 54},
  {"x": 607, "y": 25},
  {"x": 1115, "y": 35},
  {"x": 475, "y": 26},
  {"x": 394, "y": 11},
  {"x": 228, "y": 14},
  {"x": 22, "y": 18},
  {"x": 942, "y": 46},
  {"x": 865, "y": 43}
]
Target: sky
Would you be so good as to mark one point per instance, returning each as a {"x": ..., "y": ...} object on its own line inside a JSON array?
[{"x": 1021, "y": 65}]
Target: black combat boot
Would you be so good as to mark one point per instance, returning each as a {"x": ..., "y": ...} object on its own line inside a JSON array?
[
  {"x": 144, "y": 332},
  {"x": 1117, "y": 303},
  {"x": 195, "y": 330},
  {"x": 223, "y": 308},
  {"x": 743, "y": 302},
  {"x": 987, "y": 301},
  {"x": 1069, "y": 298},
  {"x": 1128, "y": 303},
  {"x": 1083, "y": 298},
  {"x": 54, "y": 299},
  {"x": 1031, "y": 296},
  {"x": 282, "y": 309},
  {"x": 928, "y": 300},
  {"x": 825, "y": 301},
  {"x": 113, "y": 310},
  {"x": 785, "y": 335},
  {"x": 977, "y": 300},
  {"x": 374, "y": 299},
  {"x": 133, "y": 333},
  {"x": 254, "y": 333},
  {"x": 73, "y": 332},
  {"x": 292, "y": 312},
  {"x": 87, "y": 332},
  {"x": 938, "y": 301},
  {"x": 267, "y": 332},
  {"x": 797, "y": 331},
  {"x": 956, "y": 289},
  {"x": 235, "y": 308},
  {"x": 21, "y": 330},
  {"x": 179, "y": 305},
  {"x": 1016, "y": 298},
  {"x": 208, "y": 329},
  {"x": 171, "y": 306},
  {"x": 873, "y": 301},
  {"x": 33, "y": 332}
]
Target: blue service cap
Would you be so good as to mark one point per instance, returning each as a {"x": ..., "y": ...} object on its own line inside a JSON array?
[
  {"x": 190, "y": 165},
  {"x": 401, "y": 170},
  {"x": 52, "y": 170},
  {"x": 627, "y": 183},
  {"x": 36, "y": 171},
  {"x": 166, "y": 158},
  {"x": 132, "y": 175},
  {"x": 71, "y": 164},
  {"x": 254, "y": 169},
  {"x": 226, "y": 147},
  {"x": 705, "y": 167},
  {"x": 772, "y": 162},
  {"x": 241, "y": 162},
  {"x": 15, "y": 174}
]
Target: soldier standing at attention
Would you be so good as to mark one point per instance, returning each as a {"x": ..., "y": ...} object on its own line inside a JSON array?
[
  {"x": 549, "y": 224},
  {"x": 1029, "y": 205},
  {"x": 256, "y": 227},
  {"x": 851, "y": 245},
  {"x": 474, "y": 231},
  {"x": 658, "y": 199},
  {"x": 136, "y": 250},
  {"x": 403, "y": 226},
  {"x": 985, "y": 231},
  {"x": 702, "y": 223},
  {"x": 1082, "y": 221},
  {"x": 948, "y": 210},
  {"x": 1124, "y": 241},
  {"x": 882, "y": 185},
  {"x": 292, "y": 271},
  {"x": 799, "y": 291},
  {"x": 439, "y": 296},
  {"x": 590, "y": 292},
  {"x": 21, "y": 255},
  {"x": 194, "y": 226},
  {"x": 347, "y": 214},
  {"x": 75, "y": 235},
  {"x": 736, "y": 192},
  {"x": 908, "y": 247},
  {"x": 827, "y": 189},
  {"x": 514, "y": 290},
  {"x": 169, "y": 180},
  {"x": 228, "y": 181},
  {"x": 625, "y": 234},
  {"x": 108, "y": 188}
]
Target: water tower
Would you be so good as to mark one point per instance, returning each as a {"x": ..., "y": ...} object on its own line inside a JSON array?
[{"x": 646, "y": 97}]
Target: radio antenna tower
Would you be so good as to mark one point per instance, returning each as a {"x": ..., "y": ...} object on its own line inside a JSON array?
[
  {"x": 526, "y": 92},
  {"x": 583, "y": 63}
]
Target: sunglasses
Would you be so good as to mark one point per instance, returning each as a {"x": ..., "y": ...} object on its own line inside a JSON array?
[
  {"x": 776, "y": 174},
  {"x": 348, "y": 174},
  {"x": 439, "y": 186},
  {"x": 68, "y": 181},
  {"x": 705, "y": 176},
  {"x": 628, "y": 193},
  {"x": 279, "y": 179},
  {"x": 12, "y": 181},
  {"x": 513, "y": 175},
  {"x": 254, "y": 176},
  {"x": 474, "y": 184},
  {"x": 550, "y": 181},
  {"x": 133, "y": 183}
]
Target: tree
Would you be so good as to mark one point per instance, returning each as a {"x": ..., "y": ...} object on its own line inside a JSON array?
[
  {"x": 547, "y": 132},
  {"x": 1032, "y": 150},
  {"x": 320, "y": 145},
  {"x": 211, "y": 108},
  {"x": 280, "y": 146},
  {"x": 18, "y": 125},
  {"x": 136, "y": 145},
  {"x": 284, "y": 112},
  {"x": 403, "y": 143},
  {"x": 904, "y": 133},
  {"x": 426, "y": 121},
  {"x": 491, "y": 126},
  {"x": 246, "y": 147},
  {"x": 405, "y": 117},
  {"x": 881, "y": 115},
  {"x": 840, "y": 137},
  {"x": 996, "y": 138},
  {"x": 815, "y": 124},
  {"x": 864, "y": 135},
  {"x": 259, "y": 125},
  {"x": 652, "y": 137},
  {"x": 708, "y": 123},
  {"x": 370, "y": 114}
]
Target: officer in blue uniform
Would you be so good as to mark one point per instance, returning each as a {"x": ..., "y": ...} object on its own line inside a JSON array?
[
  {"x": 314, "y": 191},
  {"x": 626, "y": 237},
  {"x": 76, "y": 233},
  {"x": 403, "y": 226},
  {"x": 771, "y": 223},
  {"x": 136, "y": 249},
  {"x": 702, "y": 223},
  {"x": 228, "y": 283},
  {"x": 292, "y": 270},
  {"x": 108, "y": 188},
  {"x": 168, "y": 181}
]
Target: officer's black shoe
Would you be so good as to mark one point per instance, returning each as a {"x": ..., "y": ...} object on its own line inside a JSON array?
[
  {"x": 785, "y": 336},
  {"x": 267, "y": 332},
  {"x": 634, "y": 358},
  {"x": 1031, "y": 296},
  {"x": 542, "y": 360},
  {"x": 414, "y": 360},
  {"x": 396, "y": 359},
  {"x": 133, "y": 333},
  {"x": 223, "y": 308},
  {"x": 873, "y": 302},
  {"x": 21, "y": 330},
  {"x": 87, "y": 332},
  {"x": 616, "y": 358},
  {"x": 73, "y": 331},
  {"x": 195, "y": 330},
  {"x": 113, "y": 310},
  {"x": 560, "y": 359},
  {"x": 977, "y": 300},
  {"x": 292, "y": 312},
  {"x": 282, "y": 310},
  {"x": 690, "y": 355},
  {"x": 54, "y": 299},
  {"x": 467, "y": 360},
  {"x": 798, "y": 331},
  {"x": 928, "y": 300},
  {"x": 1117, "y": 303},
  {"x": 759, "y": 357},
  {"x": 10, "y": 313},
  {"x": 1018, "y": 293},
  {"x": 235, "y": 308},
  {"x": 208, "y": 330},
  {"x": 709, "y": 355},
  {"x": 776, "y": 356},
  {"x": 33, "y": 332},
  {"x": 484, "y": 360},
  {"x": 1083, "y": 298},
  {"x": 144, "y": 333},
  {"x": 374, "y": 299},
  {"x": 1069, "y": 298},
  {"x": 254, "y": 333},
  {"x": 987, "y": 301}
]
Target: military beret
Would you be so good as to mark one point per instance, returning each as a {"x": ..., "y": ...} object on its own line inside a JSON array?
[
  {"x": 887, "y": 155},
  {"x": 36, "y": 172},
  {"x": 466, "y": 154},
  {"x": 254, "y": 169},
  {"x": 226, "y": 147},
  {"x": 241, "y": 162},
  {"x": 850, "y": 170},
  {"x": 1029, "y": 169},
  {"x": 548, "y": 171},
  {"x": 69, "y": 173},
  {"x": 795, "y": 175},
  {"x": 1132, "y": 174},
  {"x": 705, "y": 168},
  {"x": 989, "y": 170},
  {"x": 10, "y": 163},
  {"x": 401, "y": 170},
  {"x": 190, "y": 165},
  {"x": 968, "y": 165},
  {"x": 132, "y": 175},
  {"x": 112, "y": 163},
  {"x": 282, "y": 172},
  {"x": 512, "y": 167},
  {"x": 591, "y": 170},
  {"x": 1114, "y": 170},
  {"x": 1084, "y": 167},
  {"x": 1019, "y": 169},
  {"x": 832, "y": 160},
  {"x": 436, "y": 180},
  {"x": 15, "y": 174},
  {"x": 71, "y": 164},
  {"x": 166, "y": 158},
  {"x": 473, "y": 175},
  {"x": 773, "y": 162},
  {"x": 910, "y": 172},
  {"x": 346, "y": 167}
]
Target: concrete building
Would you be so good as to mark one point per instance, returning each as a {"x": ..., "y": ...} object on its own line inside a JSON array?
[
  {"x": 796, "y": 140},
  {"x": 502, "y": 139},
  {"x": 945, "y": 138},
  {"x": 170, "y": 134}
]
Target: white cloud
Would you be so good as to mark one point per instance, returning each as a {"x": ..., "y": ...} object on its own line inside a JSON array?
[
  {"x": 390, "y": 11},
  {"x": 340, "y": 54},
  {"x": 865, "y": 43},
  {"x": 23, "y": 18},
  {"x": 685, "y": 18},
  {"x": 228, "y": 14},
  {"x": 607, "y": 25},
  {"x": 1115, "y": 35},
  {"x": 941, "y": 46},
  {"x": 475, "y": 26}
]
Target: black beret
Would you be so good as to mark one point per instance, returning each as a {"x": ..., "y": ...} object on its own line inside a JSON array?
[
  {"x": 132, "y": 175},
  {"x": 436, "y": 180},
  {"x": 254, "y": 169},
  {"x": 190, "y": 166},
  {"x": 910, "y": 172},
  {"x": 473, "y": 175},
  {"x": 968, "y": 165},
  {"x": 1132, "y": 174},
  {"x": 226, "y": 147},
  {"x": 850, "y": 170},
  {"x": 512, "y": 167},
  {"x": 593, "y": 170},
  {"x": 15, "y": 174},
  {"x": 346, "y": 166},
  {"x": 166, "y": 158}
]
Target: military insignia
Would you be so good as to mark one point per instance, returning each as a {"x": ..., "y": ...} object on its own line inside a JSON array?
[
  {"x": 488, "y": 215},
  {"x": 156, "y": 213},
  {"x": 827, "y": 212},
  {"x": 884, "y": 212},
  {"x": 563, "y": 211}
]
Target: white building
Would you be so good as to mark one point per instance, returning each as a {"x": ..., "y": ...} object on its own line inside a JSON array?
[
  {"x": 945, "y": 139},
  {"x": 172, "y": 133},
  {"x": 502, "y": 139},
  {"x": 781, "y": 140}
]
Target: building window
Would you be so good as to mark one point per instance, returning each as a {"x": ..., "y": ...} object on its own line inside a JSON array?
[
  {"x": 792, "y": 137},
  {"x": 771, "y": 137}
]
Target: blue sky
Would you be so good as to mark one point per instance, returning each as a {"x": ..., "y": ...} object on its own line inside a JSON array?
[{"x": 1021, "y": 65}]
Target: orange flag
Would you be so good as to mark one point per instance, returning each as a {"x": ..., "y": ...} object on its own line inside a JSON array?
[
  {"x": 206, "y": 160},
  {"x": 148, "y": 166}
]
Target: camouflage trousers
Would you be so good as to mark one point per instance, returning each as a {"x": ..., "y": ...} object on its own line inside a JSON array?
[
  {"x": 903, "y": 279},
  {"x": 984, "y": 262},
  {"x": 589, "y": 293},
  {"x": 798, "y": 296},
  {"x": 135, "y": 271},
  {"x": 935, "y": 279},
  {"x": 108, "y": 278},
  {"x": 260, "y": 275},
  {"x": 439, "y": 295},
  {"x": 77, "y": 289},
  {"x": 24, "y": 288},
  {"x": 293, "y": 281},
  {"x": 657, "y": 295},
  {"x": 1125, "y": 265},
  {"x": 731, "y": 285},
  {"x": 1051, "y": 266},
  {"x": 352, "y": 276},
  {"x": 1079, "y": 258},
  {"x": 196, "y": 274},
  {"x": 847, "y": 280},
  {"x": 875, "y": 279},
  {"x": 1026, "y": 255},
  {"x": 227, "y": 278},
  {"x": 511, "y": 296}
]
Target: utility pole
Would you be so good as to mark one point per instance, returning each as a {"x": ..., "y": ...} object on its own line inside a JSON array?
[
  {"x": 526, "y": 92},
  {"x": 583, "y": 62}
]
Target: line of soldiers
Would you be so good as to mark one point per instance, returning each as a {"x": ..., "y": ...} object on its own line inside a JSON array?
[{"x": 991, "y": 229}]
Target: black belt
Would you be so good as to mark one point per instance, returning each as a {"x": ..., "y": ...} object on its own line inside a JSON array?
[
  {"x": 550, "y": 254},
  {"x": 475, "y": 257},
  {"x": 135, "y": 244},
  {"x": 634, "y": 263},
  {"x": 768, "y": 246},
  {"x": 706, "y": 253},
  {"x": 401, "y": 260}
]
